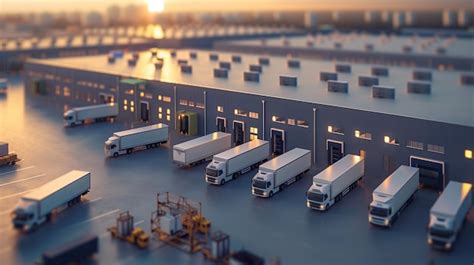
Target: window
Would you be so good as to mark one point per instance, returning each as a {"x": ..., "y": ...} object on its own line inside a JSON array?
[
  {"x": 166, "y": 99},
  {"x": 302, "y": 123},
  {"x": 362, "y": 153},
  {"x": 160, "y": 109},
  {"x": 220, "y": 109},
  {"x": 67, "y": 91},
  {"x": 435, "y": 148},
  {"x": 132, "y": 103},
  {"x": 335, "y": 130},
  {"x": 191, "y": 103},
  {"x": 468, "y": 154},
  {"x": 168, "y": 117},
  {"x": 160, "y": 113},
  {"x": 125, "y": 107},
  {"x": 253, "y": 115},
  {"x": 363, "y": 135},
  {"x": 132, "y": 109},
  {"x": 199, "y": 105},
  {"x": 168, "y": 111},
  {"x": 253, "y": 133},
  {"x": 239, "y": 112},
  {"x": 390, "y": 140},
  {"x": 125, "y": 102},
  {"x": 291, "y": 122},
  {"x": 160, "y": 97},
  {"x": 183, "y": 102},
  {"x": 415, "y": 145},
  {"x": 142, "y": 94},
  {"x": 278, "y": 119}
]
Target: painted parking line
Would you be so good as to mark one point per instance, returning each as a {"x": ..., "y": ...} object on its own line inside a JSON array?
[
  {"x": 15, "y": 194},
  {"x": 107, "y": 233},
  {"x": 17, "y": 170},
  {"x": 21, "y": 180},
  {"x": 94, "y": 200},
  {"x": 97, "y": 217}
]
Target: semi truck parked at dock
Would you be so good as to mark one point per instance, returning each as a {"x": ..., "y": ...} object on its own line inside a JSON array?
[
  {"x": 281, "y": 171},
  {"x": 125, "y": 142},
  {"x": 236, "y": 161},
  {"x": 36, "y": 207},
  {"x": 102, "y": 112},
  {"x": 333, "y": 183},
  {"x": 201, "y": 149},
  {"x": 393, "y": 195},
  {"x": 448, "y": 214}
]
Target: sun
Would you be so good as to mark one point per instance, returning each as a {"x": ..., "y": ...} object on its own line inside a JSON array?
[{"x": 156, "y": 6}]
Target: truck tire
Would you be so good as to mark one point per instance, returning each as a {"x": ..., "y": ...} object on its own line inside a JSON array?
[
  {"x": 73, "y": 124},
  {"x": 222, "y": 182},
  {"x": 270, "y": 194},
  {"x": 116, "y": 154},
  {"x": 13, "y": 163},
  {"x": 129, "y": 151}
]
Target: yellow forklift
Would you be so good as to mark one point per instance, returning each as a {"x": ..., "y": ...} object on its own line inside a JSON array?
[
  {"x": 126, "y": 231},
  {"x": 203, "y": 224}
]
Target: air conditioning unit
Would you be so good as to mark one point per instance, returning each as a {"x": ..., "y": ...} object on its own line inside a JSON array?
[
  {"x": 368, "y": 81},
  {"x": 187, "y": 69},
  {"x": 213, "y": 57},
  {"x": 343, "y": 68},
  {"x": 422, "y": 75},
  {"x": 220, "y": 73},
  {"x": 288, "y": 81},
  {"x": 338, "y": 86},
  {"x": 379, "y": 71},
  {"x": 293, "y": 64},
  {"x": 264, "y": 61},
  {"x": 326, "y": 76},
  {"x": 236, "y": 58},
  {"x": 418, "y": 87},
  {"x": 255, "y": 68},
  {"x": 383, "y": 92},
  {"x": 251, "y": 77}
]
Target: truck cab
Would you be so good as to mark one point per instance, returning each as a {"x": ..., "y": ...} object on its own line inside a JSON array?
[
  {"x": 69, "y": 118},
  {"x": 380, "y": 211},
  {"x": 319, "y": 197},
  {"x": 262, "y": 184},
  {"x": 111, "y": 147},
  {"x": 216, "y": 172},
  {"x": 441, "y": 232},
  {"x": 24, "y": 215}
]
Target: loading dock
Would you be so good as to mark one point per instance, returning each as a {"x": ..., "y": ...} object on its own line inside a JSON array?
[
  {"x": 144, "y": 111},
  {"x": 239, "y": 132},
  {"x": 431, "y": 172},
  {"x": 221, "y": 124},
  {"x": 277, "y": 137},
  {"x": 335, "y": 150}
]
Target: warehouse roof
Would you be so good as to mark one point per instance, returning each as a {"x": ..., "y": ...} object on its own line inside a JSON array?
[
  {"x": 363, "y": 42},
  {"x": 447, "y": 100}
]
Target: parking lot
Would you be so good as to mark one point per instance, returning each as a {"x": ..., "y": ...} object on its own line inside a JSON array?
[{"x": 281, "y": 226}]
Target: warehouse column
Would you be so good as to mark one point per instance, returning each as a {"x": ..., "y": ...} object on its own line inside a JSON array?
[
  {"x": 205, "y": 112},
  {"x": 314, "y": 135},
  {"x": 263, "y": 119}
]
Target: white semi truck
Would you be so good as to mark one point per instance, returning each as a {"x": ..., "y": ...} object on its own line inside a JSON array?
[
  {"x": 201, "y": 149},
  {"x": 331, "y": 184},
  {"x": 37, "y": 206},
  {"x": 448, "y": 213},
  {"x": 393, "y": 195},
  {"x": 125, "y": 142},
  {"x": 236, "y": 161},
  {"x": 281, "y": 171},
  {"x": 96, "y": 113}
]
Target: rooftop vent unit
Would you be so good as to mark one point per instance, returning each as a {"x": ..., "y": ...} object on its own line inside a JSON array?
[
  {"x": 343, "y": 68},
  {"x": 251, "y": 77},
  {"x": 407, "y": 48},
  {"x": 220, "y": 73},
  {"x": 182, "y": 62},
  {"x": 159, "y": 63},
  {"x": 193, "y": 55},
  {"x": 383, "y": 92},
  {"x": 173, "y": 53},
  {"x": 467, "y": 79},
  {"x": 337, "y": 45},
  {"x": 369, "y": 47},
  {"x": 326, "y": 76},
  {"x": 309, "y": 43},
  {"x": 255, "y": 68},
  {"x": 135, "y": 55},
  {"x": 419, "y": 87},
  {"x": 154, "y": 53},
  {"x": 236, "y": 58},
  {"x": 379, "y": 71},
  {"x": 264, "y": 61},
  {"x": 422, "y": 75},
  {"x": 213, "y": 57},
  {"x": 368, "y": 81},
  {"x": 294, "y": 64},
  {"x": 338, "y": 86},
  {"x": 288, "y": 81},
  {"x": 440, "y": 50},
  {"x": 111, "y": 59},
  {"x": 224, "y": 65},
  {"x": 132, "y": 62},
  {"x": 187, "y": 69}
]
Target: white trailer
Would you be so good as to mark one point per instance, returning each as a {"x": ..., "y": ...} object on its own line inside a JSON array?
[
  {"x": 237, "y": 161},
  {"x": 281, "y": 171},
  {"x": 3, "y": 85},
  {"x": 125, "y": 142},
  {"x": 333, "y": 183},
  {"x": 96, "y": 113},
  {"x": 201, "y": 149},
  {"x": 37, "y": 206},
  {"x": 448, "y": 213},
  {"x": 393, "y": 195}
]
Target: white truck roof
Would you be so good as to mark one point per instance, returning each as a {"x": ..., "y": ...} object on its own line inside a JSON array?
[
  {"x": 240, "y": 149},
  {"x": 284, "y": 159},
  {"x": 94, "y": 106},
  {"x": 335, "y": 170},
  {"x": 199, "y": 141},
  {"x": 54, "y": 185},
  {"x": 391, "y": 185},
  {"x": 139, "y": 130},
  {"x": 452, "y": 198}
]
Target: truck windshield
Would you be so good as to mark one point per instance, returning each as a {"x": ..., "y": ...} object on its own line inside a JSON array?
[
  {"x": 318, "y": 197},
  {"x": 440, "y": 232},
  {"x": 259, "y": 184},
  {"x": 110, "y": 146},
  {"x": 68, "y": 118},
  {"x": 382, "y": 212},
  {"x": 211, "y": 172},
  {"x": 22, "y": 216}
]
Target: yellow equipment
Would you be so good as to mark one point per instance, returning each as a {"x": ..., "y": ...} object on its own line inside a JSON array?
[
  {"x": 125, "y": 231},
  {"x": 203, "y": 224}
]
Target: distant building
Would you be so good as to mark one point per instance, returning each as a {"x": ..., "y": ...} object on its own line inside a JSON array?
[
  {"x": 94, "y": 19},
  {"x": 310, "y": 20}
]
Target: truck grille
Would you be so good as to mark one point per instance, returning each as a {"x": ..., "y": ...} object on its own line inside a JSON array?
[
  {"x": 258, "y": 192},
  {"x": 211, "y": 180},
  {"x": 377, "y": 220},
  {"x": 314, "y": 205}
]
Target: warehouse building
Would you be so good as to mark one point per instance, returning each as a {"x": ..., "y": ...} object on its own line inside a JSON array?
[
  {"x": 439, "y": 52},
  {"x": 389, "y": 115}
]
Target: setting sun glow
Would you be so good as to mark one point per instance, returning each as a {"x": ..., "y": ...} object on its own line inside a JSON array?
[{"x": 156, "y": 6}]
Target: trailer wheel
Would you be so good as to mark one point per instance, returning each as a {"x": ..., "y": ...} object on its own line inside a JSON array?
[
  {"x": 73, "y": 124},
  {"x": 13, "y": 163},
  {"x": 222, "y": 182},
  {"x": 115, "y": 154},
  {"x": 270, "y": 194},
  {"x": 129, "y": 151}
]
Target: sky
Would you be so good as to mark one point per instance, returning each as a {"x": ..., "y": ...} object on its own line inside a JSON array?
[{"x": 231, "y": 5}]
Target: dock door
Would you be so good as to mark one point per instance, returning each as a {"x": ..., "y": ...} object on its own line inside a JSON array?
[
  {"x": 431, "y": 172},
  {"x": 144, "y": 111},
  {"x": 239, "y": 132},
  {"x": 335, "y": 151},
  {"x": 221, "y": 124},
  {"x": 277, "y": 137}
]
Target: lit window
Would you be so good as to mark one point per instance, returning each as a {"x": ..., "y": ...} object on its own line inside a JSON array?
[
  {"x": 191, "y": 103},
  {"x": 220, "y": 109},
  {"x": 363, "y": 135},
  {"x": 183, "y": 102},
  {"x": 160, "y": 109},
  {"x": 415, "y": 145},
  {"x": 160, "y": 116},
  {"x": 239, "y": 112},
  {"x": 125, "y": 107},
  {"x": 166, "y": 99},
  {"x": 468, "y": 154},
  {"x": 302, "y": 123},
  {"x": 435, "y": 148},
  {"x": 278, "y": 119},
  {"x": 253, "y": 133},
  {"x": 67, "y": 92},
  {"x": 132, "y": 103},
  {"x": 253, "y": 115},
  {"x": 142, "y": 94},
  {"x": 200, "y": 105},
  {"x": 132, "y": 109},
  {"x": 168, "y": 111},
  {"x": 335, "y": 130},
  {"x": 168, "y": 117},
  {"x": 125, "y": 102},
  {"x": 160, "y": 97},
  {"x": 291, "y": 122},
  {"x": 390, "y": 140}
]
